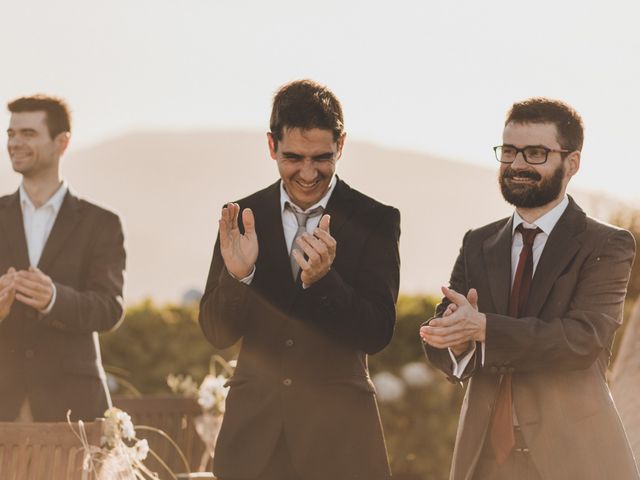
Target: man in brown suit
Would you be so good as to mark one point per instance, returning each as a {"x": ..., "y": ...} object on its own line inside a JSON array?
[
  {"x": 61, "y": 274},
  {"x": 530, "y": 315}
]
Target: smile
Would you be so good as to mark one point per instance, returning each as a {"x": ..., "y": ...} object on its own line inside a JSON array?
[{"x": 307, "y": 185}]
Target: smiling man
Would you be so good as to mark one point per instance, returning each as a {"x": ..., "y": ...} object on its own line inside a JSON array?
[
  {"x": 62, "y": 261},
  {"x": 530, "y": 315},
  {"x": 306, "y": 273}
]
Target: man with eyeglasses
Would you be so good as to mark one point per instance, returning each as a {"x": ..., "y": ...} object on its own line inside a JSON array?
[{"x": 529, "y": 318}]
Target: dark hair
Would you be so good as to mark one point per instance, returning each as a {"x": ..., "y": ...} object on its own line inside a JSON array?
[
  {"x": 305, "y": 104},
  {"x": 57, "y": 113},
  {"x": 545, "y": 110}
]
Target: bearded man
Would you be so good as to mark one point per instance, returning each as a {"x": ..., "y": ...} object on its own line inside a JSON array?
[{"x": 529, "y": 318}]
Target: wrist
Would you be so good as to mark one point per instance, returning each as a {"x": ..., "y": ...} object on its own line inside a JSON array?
[{"x": 482, "y": 327}]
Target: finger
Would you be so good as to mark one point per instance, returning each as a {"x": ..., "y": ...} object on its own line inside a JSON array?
[
  {"x": 27, "y": 301},
  {"x": 31, "y": 292},
  {"x": 249, "y": 221},
  {"x": 326, "y": 238},
  {"x": 235, "y": 216},
  {"x": 472, "y": 296},
  {"x": 324, "y": 223},
  {"x": 36, "y": 285},
  {"x": 318, "y": 245},
  {"x": 454, "y": 296},
  {"x": 451, "y": 308},
  {"x": 300, "y": 260},
  {"x": 308, "y": 249},
  {"x": 443, "y": 321},
  {"x": 11, "y": 270}
]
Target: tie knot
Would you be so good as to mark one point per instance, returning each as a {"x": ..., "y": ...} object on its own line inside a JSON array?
[
  {"x": 528, "y": 234},
  {"x": 303, "y": 217}
]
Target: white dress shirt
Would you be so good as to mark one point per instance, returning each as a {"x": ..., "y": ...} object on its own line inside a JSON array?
[
  {"x": 546, "y": 223},
  {"x": 289, "y": 222},
  {"x": 38, "y": 223}
]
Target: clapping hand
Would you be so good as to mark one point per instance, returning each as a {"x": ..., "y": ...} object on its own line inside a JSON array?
[
  {"x": 460, "y": 324},
  {"x": 320, "y": 249},
  {"x": 34, "y": 288},
  {"x": 239, "y": 251}
]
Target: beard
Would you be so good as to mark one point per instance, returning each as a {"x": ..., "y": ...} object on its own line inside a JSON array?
[{"x": 531, "y": 196}]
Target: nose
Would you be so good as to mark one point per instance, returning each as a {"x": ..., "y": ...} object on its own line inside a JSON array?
[
  {"x": 519, "y": 160},
  {"x": 308, "y": 172}
]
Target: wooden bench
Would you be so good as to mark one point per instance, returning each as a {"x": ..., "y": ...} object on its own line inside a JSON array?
[
  {"x": 174, "y": 416},
  {"x": 44, "y": 451}
]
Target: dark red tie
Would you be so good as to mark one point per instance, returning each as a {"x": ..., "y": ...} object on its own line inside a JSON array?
[{"x": 502, "y": 436}]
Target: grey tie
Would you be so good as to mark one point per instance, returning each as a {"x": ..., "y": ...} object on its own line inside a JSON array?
[{"x": 301, "y": 219}]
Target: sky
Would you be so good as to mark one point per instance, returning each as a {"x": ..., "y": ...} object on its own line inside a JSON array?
[{"x": 429, "y": 76}]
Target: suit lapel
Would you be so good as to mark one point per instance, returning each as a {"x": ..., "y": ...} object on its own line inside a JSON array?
[
  {"x": 66, "y": 220},
  {"x": 12, "y": 228},
  {"x": 497, "y": 257},
  {"x": 339, "y": 208},
  {"x": 562, "y": 245}
]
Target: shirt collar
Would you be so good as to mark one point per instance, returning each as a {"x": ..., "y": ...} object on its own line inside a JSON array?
[
  {"x": 55, "y": 201},
  {"x": 547, "y": 222},
  {"x": 284, "y": 197}
]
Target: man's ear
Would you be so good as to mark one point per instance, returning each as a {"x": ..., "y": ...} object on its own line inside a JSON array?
[
  {"x": 340, "y": 144},
  {"x": 61, "y": 142},
  {"x": 573, "y": 163},
  {"x": 273, "y": 145}
]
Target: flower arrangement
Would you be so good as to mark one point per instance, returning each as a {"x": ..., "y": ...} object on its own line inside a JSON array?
[
  {"x": 121, "y": 454},
  {"x": 211, "y": 395}
]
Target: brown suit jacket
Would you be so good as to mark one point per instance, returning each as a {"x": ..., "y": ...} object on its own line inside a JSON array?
[
  {"x": 54, "y": 359},
  {"x": 302, "y": 368},
  {"x": 558, "y": 352}
]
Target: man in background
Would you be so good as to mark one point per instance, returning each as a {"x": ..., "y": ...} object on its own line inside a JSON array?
[{"x": 62, "y": 261}]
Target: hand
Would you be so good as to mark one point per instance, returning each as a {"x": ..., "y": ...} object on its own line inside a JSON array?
[
  {"x": 320, "y": 249},
  {"x": 463, "y": 325},
  {"x": 34, "y": 288},
  {"x": 7, "y": 292},
  {"x": 461, "y": 348},
  {"x": 239, "y": 252}
]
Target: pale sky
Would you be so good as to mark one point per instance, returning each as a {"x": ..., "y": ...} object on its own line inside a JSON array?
[{"x": 431, "y": 76}]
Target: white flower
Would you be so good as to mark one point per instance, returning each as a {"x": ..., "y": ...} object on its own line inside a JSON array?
[
  {"x": 389, "y": 387},
  {"x": 206, "y": 400},
  {"x": 126, "y": 425},
  {"x": 140, "y": 450},
  {"x": 416, "y": 374}
]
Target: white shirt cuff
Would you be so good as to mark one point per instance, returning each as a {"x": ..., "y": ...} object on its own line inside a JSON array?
[
  {"x": 246, "y": 280},
  {"x": 460, "y": 365},
  {"x": 49, "y": 307}
]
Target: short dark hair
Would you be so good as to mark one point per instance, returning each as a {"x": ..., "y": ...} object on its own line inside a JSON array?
[
  {"x": 58, "y": 117},
  {"x": 545, "y": 110},
  {"x": 305, "y": 104}
]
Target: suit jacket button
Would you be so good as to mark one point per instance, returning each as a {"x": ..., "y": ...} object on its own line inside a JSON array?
[
  {"x": 287, "y": 382},
  {"x": 29, "y": 354},
  {"x": 493, "y": 369},
  {"x": 289, "y": 342}
]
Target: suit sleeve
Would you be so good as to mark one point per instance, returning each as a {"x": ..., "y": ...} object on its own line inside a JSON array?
[
  {"x": 577, "y": 339},
  {"x": 223, "y": 309},
  {"x": 98, "y": 305},
  {"x": 439, "y": 357},
  {"x": 362, "y": 314}
]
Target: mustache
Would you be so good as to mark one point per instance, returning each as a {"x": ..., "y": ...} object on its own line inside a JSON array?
[{"x": 510, "y": 173}]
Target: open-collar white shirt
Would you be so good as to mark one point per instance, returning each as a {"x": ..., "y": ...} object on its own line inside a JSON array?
[{"x": 38, "y": 223}]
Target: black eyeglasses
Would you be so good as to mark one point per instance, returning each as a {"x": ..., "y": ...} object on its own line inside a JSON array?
[{"x": 533, "y": 154}]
